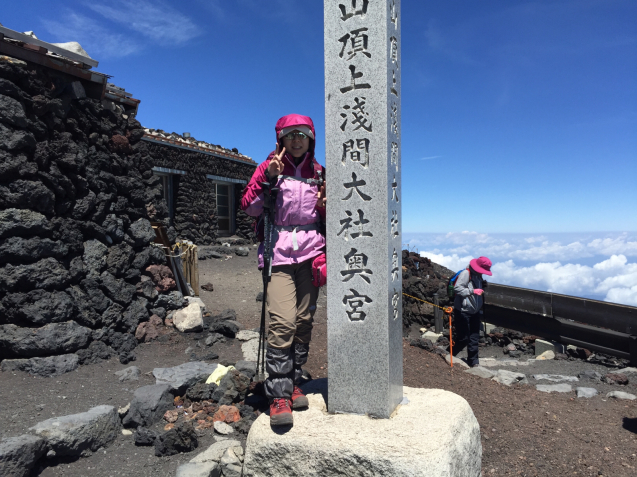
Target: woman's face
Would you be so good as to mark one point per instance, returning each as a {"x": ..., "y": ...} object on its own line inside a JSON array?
[{"x": 295, "y": 144}]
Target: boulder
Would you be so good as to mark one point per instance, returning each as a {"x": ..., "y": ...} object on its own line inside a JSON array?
[
  {"x": 142, "y": 232},
  {"x": 149, "y": 405},
  {"x": 74, "y": 434},
  {"x": 247, "y": 367},
  {"x": 51, "y": 339},
  {"x": 163, "y": 278},
  {"x": 189, "y": 319},
  {"x": 226, "y": 328},
  {"x": 144, "y": 437},
  {"x": 250, "y": 350},
  {"x": 215, "y": 452},
  {"x": 39, "y": 307},
  {"x": 615, "y": 378},
  {"x": 548, "y": 354},
  {"x": 94, "y": 258},
  {"x": 589, "y": 375},
  {"x": 480, "y": 372},
  {"x": 181, "y": 438},
  {"x": 181, "y": 377},
  {"x": 625, "y": 371},
  {"x": 233, "y": 387},
  {"x": 201, "y": 391},
  {"x": 508, "y": 378},
  {"x": 227, "y": 414},
  {"x": 22, "y": 222},
  {"x": 554, "y": 388},
  {"x": 171, "y": 301},
  {"x": 326, "y": 445},
  {"x": 206, "y": 469},
  {"x": 45, "y": 367},
  {"x": 555, "y": 378},
  {"x": 46, "y": 274},
  {"x": 247, "y": 335},
  {"x": 456, "y": 361},
  {"x": 129, "y": 374},
  {"x": 586, "y": 392},
  {"x": 621, "y": 395},
  {"x": 223, "y": 428},
  {"x": 18, "y": 455}
]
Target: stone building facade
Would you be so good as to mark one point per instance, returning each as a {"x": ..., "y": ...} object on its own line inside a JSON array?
[{"x": 202, "y": 186}]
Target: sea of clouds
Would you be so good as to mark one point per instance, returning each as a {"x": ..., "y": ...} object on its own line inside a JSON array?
[{"x": 601, "y": 266}]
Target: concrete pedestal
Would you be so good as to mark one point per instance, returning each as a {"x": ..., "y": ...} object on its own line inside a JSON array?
[{"x": 434, "y": 434}]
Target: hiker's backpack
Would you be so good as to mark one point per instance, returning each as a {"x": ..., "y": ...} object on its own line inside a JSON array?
[{"x": 452, "y": 283}]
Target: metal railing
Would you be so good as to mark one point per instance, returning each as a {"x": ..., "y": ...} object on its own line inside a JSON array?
[{"x": 595, "y": 325}]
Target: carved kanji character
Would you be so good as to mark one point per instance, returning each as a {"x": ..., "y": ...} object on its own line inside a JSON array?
[
  {"x": 359, "y": 113},
  {"x": 348, "y": 12},
  {"x": 394, "y": 264},
  {"x": 394, "y": 186},
  {"x": 355, "y": 302},
  {"x": 356, "y": 263},
  {"x": 358, "y": 42},
  {"x": 354, "y": 76},
  {"x": 394, "y": 154},
  {"x": 358, "y": 151},
  {"x": 394, "y": 224},
  {"x": 395, "y": 300},
  {"x": 354, "y": 186}
]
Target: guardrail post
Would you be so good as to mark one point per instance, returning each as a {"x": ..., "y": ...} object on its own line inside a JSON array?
[{"x": 437, "y": 315}]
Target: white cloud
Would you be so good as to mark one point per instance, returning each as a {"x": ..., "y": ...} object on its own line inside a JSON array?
[
  {"x": 97, "y": 40},
  {"x": 155, "y": 20},
  {"x": 614, "y": 279}
]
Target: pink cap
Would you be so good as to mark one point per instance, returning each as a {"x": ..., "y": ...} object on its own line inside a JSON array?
[{"x": 481, "y": 265}]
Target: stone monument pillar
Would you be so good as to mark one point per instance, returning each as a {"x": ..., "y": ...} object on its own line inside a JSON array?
[{"x": 364, "y": 259}]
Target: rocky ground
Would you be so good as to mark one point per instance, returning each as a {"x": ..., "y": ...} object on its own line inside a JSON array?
[{"x": 524, "y": 431}]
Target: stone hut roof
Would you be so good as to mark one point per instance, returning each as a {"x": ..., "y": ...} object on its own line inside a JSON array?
[{"x": 188, "y": 142}]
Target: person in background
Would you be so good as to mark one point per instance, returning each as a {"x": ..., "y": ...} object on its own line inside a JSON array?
[
  {"x": 297, "y": 241},
  {"x": 467, "y": 307}
]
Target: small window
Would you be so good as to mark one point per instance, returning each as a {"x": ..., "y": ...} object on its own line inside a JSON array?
[
  {"x": 224, "y": 207},
  {"x": 167, "y": 189}
]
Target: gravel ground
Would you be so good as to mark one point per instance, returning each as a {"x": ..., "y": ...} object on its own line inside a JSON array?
[{"x": 524, "y": 431}]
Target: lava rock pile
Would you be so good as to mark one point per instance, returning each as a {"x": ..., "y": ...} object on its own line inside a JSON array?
[{"x": 77, "y": 194}]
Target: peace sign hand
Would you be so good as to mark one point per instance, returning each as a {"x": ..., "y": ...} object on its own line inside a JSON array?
[{"x": 276, "y": 163}]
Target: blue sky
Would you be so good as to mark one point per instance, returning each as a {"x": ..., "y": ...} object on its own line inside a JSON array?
[{"x": 519, "y": 117}]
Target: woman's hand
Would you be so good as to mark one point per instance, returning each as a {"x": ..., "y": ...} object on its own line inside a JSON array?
[
  {"x": 276, "y": 163},
  {"x": 321, "y": 200}
]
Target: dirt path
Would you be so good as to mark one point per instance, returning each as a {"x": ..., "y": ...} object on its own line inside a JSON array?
[{"x": 524, "y": 432}]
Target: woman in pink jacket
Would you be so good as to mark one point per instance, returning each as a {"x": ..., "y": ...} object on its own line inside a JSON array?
[{"x": 296, "y": 242}]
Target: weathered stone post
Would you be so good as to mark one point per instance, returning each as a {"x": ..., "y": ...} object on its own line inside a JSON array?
[{"x": 362, "y": 123}]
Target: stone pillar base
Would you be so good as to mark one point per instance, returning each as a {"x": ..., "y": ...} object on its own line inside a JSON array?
[{"x": 433, "y": 434}]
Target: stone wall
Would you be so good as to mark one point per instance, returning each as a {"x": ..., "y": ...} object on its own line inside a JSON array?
[
  {"x": 76, "y": 194},
  {"x": 195, "y": 213}
]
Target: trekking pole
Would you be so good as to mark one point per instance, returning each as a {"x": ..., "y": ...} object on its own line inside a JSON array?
[
  {"x": 448, "y": 310},
  {"x": 269, "y": 193}
]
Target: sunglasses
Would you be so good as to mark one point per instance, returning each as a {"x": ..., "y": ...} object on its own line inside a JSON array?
[{"x": 295, "y": 135}]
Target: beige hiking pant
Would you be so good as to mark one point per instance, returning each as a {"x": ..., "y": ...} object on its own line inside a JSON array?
[{"x": 291, "y": 304}]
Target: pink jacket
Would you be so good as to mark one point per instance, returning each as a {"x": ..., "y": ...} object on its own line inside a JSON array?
[{"x": 295, "y": 205}]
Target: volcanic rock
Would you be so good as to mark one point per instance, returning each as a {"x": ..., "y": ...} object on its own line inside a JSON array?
[
  {"x": 148, "y": 405},
  {"x": 182, "y": 438},
  {"x": 72, "y": 435},
  {"x": 18, "y": 455}
]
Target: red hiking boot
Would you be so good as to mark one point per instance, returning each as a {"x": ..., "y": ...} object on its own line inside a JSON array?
[
  {"x": 281, "y": 412},
  {"x": 299, "y": 400}
]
